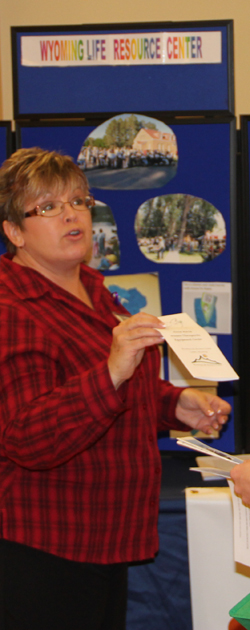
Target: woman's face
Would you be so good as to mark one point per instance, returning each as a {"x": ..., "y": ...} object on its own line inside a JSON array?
[{"x": 59, "y": 243}]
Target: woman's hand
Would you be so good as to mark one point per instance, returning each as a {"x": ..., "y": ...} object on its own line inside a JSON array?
[
  {"x": 202, "y": 411},
  {"x": 241, "y": 476},
  {"x": 130, "y": 338}
]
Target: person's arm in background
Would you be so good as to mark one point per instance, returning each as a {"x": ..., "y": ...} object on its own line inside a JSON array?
[{"x": 241, "y": 477}]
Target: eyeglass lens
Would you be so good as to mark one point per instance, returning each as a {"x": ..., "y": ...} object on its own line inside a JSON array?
[{"x": 55, "y": 207}]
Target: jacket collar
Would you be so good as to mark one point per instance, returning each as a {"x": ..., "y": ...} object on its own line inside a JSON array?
[{"x": 26, "y": 283}]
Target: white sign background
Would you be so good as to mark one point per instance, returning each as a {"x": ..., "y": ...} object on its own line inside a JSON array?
[{"x": 122, "y": 49}]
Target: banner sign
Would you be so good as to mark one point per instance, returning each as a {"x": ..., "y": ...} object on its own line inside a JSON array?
[{"x": 122, "y": 49}]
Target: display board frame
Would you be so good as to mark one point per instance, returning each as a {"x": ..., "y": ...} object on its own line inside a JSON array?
[
  {"x": 5, "y": 139},
  {"x": 206, "y": 89},
  {"x": 243, "y": 220},
  {"x": 5, "y": 151},
  {"x": 233, "y": 443}
]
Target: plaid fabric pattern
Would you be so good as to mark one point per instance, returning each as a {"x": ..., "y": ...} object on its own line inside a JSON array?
[{"x": 79, "y": 463}]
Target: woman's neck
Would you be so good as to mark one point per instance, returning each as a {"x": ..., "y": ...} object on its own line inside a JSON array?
[{"x": 69, "y": 279}]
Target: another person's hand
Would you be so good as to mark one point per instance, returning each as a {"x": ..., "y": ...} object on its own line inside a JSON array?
[
  {"x": 202, "y": 411},
  {"x": 241, "y": 476},
  {"x": 130, "y": 338}
]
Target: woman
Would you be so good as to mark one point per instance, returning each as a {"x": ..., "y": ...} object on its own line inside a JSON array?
[{"x": 81, "y": 403}]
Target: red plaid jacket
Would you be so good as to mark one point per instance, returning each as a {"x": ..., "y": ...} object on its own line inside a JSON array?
[{"x": 79, "y": 464}]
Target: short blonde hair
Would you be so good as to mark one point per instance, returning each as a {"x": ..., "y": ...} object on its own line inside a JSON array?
[{"x": 29, "y": 173}]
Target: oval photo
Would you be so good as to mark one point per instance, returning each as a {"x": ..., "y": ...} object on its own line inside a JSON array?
[
  {"x": 129, "y": 152},
  {"x": 105, "y": 253},
  {"x": 180, "y": 228}
]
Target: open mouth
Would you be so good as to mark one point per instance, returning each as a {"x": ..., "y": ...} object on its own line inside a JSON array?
[{"x": 74, "y": 233}]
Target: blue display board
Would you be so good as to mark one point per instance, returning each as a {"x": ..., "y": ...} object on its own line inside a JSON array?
[
  {"x": 204, "y": 169},
  {"x": 150, "y": 67}
]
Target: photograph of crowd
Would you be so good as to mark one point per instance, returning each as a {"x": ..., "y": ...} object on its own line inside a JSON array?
[
  {"x": 129, "y": 151},
  {"x": 105, "y": 252},
  {"x": 180, "y": 228}
]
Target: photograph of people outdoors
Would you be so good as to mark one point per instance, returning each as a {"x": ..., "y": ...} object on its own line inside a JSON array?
[
  {"x": 105, "y": 252},
  {"x": 129, "y": 151},
  {"x": 180, "y": 228}
]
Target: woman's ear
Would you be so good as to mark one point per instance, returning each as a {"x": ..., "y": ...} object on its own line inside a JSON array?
[{"x": 13, "y": 233}]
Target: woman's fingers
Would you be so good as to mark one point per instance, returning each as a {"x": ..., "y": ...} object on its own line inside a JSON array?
[
  {"x": 130, "y": 338},
  {"x": 141, "y": 320}
]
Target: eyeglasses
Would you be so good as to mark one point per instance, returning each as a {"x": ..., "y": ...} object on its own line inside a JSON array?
[{"x": 55, "y": 207}]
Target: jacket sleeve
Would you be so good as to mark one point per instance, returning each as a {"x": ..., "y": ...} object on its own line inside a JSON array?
[
  {"x": 47, "y": 419},
  {"x": 167, "y": 401}
]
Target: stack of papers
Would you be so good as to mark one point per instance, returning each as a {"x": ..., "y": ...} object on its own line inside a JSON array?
[
  {"x": 241, "y": 512},
  {"x": 221, "y": 463}
]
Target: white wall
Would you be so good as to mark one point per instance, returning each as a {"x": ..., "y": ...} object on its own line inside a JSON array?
[{"x": 52, "y": 12}]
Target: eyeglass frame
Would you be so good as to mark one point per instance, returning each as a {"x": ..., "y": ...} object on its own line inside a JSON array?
[{"x": 35, "y": 211}]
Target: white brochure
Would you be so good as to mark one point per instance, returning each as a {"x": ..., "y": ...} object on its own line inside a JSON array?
[{"x": 196, "y": 349}]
